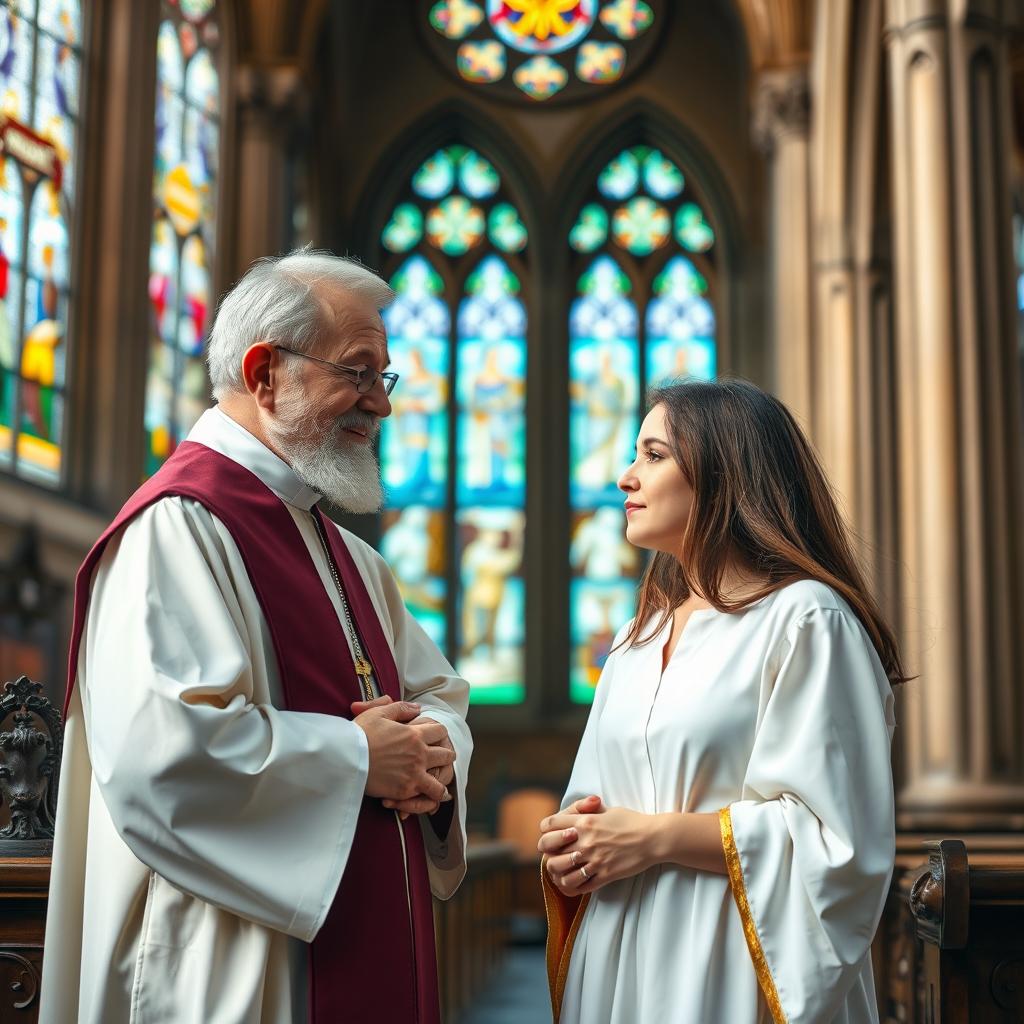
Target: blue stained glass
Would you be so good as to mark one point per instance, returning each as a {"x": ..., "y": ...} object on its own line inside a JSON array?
[
  {"x": 603, "y": 312},
  {"x": 491, "y": 606},
  {"x": 680, "y": 325},
  {"x": 414, "y": 441}
]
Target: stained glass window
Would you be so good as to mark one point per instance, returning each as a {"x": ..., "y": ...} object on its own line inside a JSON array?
[
  {"x": 453, "y": 453},
  {"x": 542, "y": 50},
  {"x": 40, "y": 70},
  {"x": 644, "y": 255},
  {"x": 184, "y": 222}
]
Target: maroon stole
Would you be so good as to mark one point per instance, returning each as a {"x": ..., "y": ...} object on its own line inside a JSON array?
[{"x": 373, "y": 959}]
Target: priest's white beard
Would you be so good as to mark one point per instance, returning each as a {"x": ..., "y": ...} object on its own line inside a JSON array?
[{"x": 345, "y": 472}]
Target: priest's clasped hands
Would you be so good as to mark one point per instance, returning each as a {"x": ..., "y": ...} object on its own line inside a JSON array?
[{"x": 411, "y": 757}]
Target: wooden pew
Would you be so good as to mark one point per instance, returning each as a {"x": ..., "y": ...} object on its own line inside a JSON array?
[{"x": 965, "y": 964}]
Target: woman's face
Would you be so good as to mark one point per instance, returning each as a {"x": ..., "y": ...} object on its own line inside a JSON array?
[{"x": 658, "y": 496}]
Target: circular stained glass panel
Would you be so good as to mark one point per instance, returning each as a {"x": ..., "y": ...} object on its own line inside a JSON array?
[{"x": 541, "y": 26}]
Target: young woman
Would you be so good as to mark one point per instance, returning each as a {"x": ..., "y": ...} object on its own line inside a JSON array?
[{"x": 727, "y": 837}]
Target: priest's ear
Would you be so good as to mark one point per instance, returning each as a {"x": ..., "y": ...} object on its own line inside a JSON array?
[{"x": 262, "y": 373}]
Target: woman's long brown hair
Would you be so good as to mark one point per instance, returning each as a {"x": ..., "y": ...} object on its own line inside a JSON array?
[{"x": 761, "y": 500}]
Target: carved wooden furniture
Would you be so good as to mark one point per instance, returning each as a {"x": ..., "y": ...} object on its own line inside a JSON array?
[
  {"x": 954, "y": 940},
  {"x": 31, "y": 741}
]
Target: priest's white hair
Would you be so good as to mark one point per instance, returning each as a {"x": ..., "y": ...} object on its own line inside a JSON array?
[{"x": 276, "y": 300}]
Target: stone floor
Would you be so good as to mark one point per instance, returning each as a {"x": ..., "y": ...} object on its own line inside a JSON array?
[{"x": 517, "y": 995}]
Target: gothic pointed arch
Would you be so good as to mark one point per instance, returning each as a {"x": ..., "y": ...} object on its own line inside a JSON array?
[
  {"x": 449, "y": 233},
  {"x": 647, "y": 257}
]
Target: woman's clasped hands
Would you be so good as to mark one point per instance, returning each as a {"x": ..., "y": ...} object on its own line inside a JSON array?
[{"x": 588, "y": 845}]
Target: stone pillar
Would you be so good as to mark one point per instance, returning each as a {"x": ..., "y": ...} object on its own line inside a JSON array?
[
  {"x": 960, "y": 473},
  {"x": 271, "y": 114},
  {"x": 781, "y": 125}
]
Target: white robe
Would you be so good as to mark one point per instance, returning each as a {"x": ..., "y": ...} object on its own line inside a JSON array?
[
  {"x": 783, "y": 715},
  {"x": 202, "y": 831}
]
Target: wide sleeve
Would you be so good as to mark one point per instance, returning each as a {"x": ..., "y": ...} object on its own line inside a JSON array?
[
  {"x": 428, "y": 679},
  {"x": 243, "y": 805},
  {"x": 810, "y": 845}
]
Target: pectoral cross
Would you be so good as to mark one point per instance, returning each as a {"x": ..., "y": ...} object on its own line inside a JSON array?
[{"x": 364, "y": 670}]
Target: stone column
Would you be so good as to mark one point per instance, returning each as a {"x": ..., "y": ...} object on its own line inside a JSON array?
[
  {"x": 781, "y": 125},
  {"x": 271, "y": 113},
  {"x": 960, "y": 495}
]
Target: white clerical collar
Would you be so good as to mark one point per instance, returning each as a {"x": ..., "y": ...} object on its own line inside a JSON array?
[{"x": 218, "y": 431}]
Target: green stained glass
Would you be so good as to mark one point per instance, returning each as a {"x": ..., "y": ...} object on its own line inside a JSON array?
[
  {"x": 662, "y": 178},
  {"x": 641, "y": 226},
  {"x": 196, "y": 10},
  {"x": 405, "y": 228},
  {"x": 692, "y": 231},
  {"x": 590, "y": 231},
  {"x": 621, "y": 178},
  {"x": 455, "y": 225},
  {"x": 477, "y": 177},
  {"x": 436, "y": 176},
  {"x": 605, "y": 279},
  {"x": 418, "y": 276},
  {"x": 505, "y": 230}
]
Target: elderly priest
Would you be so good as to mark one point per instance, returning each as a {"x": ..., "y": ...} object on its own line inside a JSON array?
[{"x": 265, "y": 760}]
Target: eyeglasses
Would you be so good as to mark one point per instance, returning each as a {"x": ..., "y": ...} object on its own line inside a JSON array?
[{"x": 363, "y": 377}]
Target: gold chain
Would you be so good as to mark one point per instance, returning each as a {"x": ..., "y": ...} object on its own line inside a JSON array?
[{"x": 364, "y": 670}]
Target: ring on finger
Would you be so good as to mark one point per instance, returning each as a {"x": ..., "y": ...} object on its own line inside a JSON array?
[{"x": 583, "y": 872}]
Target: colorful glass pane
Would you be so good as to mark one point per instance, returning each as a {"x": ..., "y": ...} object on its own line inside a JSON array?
[
  {"x": 436, "y": 176},
  {"x": 455, "y": 18},
  {"x": 541, "y": 26},
  {"x": 196, "y": 10},
  {"x": 621, "y": 178},
  {"x": 413, "y": 542},
  {"x": 692, "y": 231},
  {"x": 453, "y": 455},
  {"x": 477, "y": 176},
  {"x": 62, "y": 19},
  {"x": 600, "y": 63},
  {"x": 405, "y": 228},
  {"x": 604, "y": 354},
  {"x": 641, "y": 226},
  {"x": 609, "y": 367},
  {"x": 185, "y": 180},
  {"x": 481, "y": 62},
  {"x": 18, "y": 35},
  {"x": 591, "y": 228},
  {"x": 491, "y": 606},
  {"x": 455, "y": 225},
  {"x": 627, "y": 18},
  {"x": 414, "y": 442},
  {"x": 662, "y": 178},
  {"x": 540, "y": 78},
  {"x": 40, "y": 69},
  {"x": 680, "y": 325},
  {"x": 505, "y": 230}
]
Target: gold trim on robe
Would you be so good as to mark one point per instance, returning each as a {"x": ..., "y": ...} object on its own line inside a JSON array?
[
  {"x": 564, "y": 915},
  {"x": 739, "y": 892}
]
